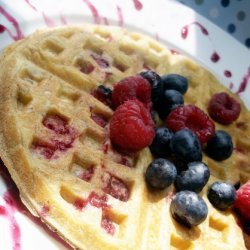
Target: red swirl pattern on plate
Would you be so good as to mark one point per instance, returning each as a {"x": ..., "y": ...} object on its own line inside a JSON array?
[
  {"x": 31, "y": 5},
  {"x": 138, "y": 5},
  {"x": 19, "y": 35},
  {"x": 9, "y": 211},
  {"x": 120, "y": 16},
  {"x": 94, "y": 11},
  {"x": 13, "y": 206},
  {"x": 13, "y": 28},
  {"x": 185, "y": 31},
  {"x": 244, "y": 82}
]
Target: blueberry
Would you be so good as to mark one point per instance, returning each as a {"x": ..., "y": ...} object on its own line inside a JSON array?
[
  {"x": 161, "y": 173},
  {"x": 185, "y": 146},
  {"x": 160, "y": 145},
  {"x": 188, "y": 208},
  {"x": 168, "y": 101},
  {"x": 220, "y": 146},
  {"x": 105, "y": 90},
  {"x": 222, "y": 195},
  {"x": 180, "y": 165},
  {"x": 155, "y": 81},
  {"x": 194, "y": 178},
  {"x": 176, "y": 82}
]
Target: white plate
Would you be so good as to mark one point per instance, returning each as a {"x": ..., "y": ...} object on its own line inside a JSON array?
[{"x": 168, "y": 21}]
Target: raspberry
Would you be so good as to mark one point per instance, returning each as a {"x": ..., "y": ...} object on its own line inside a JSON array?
[
  {"x": 223, "y": 108},
  {"x": 193, "y": 118},
  {"x": 242, "y": 203},
  {"x": 131, "y": 88},
  {"x": 131, "y": 126}
]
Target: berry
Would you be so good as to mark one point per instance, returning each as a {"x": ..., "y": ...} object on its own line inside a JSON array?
[
  {"x": 131, "y": 126},
  {"x": 223, "y": 108},
  {"x": 237, "y": 185},
  {"x": 194, "y": 178},
  {"x": 221, "y": 195},
  {"x": 103, "y": 94},
  {"x": 115, "y": 187},
  {"x": 155, "y": 81},
  {"x": 220, "y": 146},
  {"x": 242, "y": 203},
  {"x": 100, "y": 60},
  {"x": 56, "y": 123},
  {"x": 188, "y": 208},
  {"x": 185, "y": 146},
  {"x": 161, "y": 173},
  {"x": 168, "y": 101},
  {"x": 60, "y": 139},
  {"x": 108, "y": 225},
  {"x": 131, "y": 88},
  {"x": 193, "y": 118},
  {"x": 160, "y": 145},
  {"x": 176, "y": 82}
]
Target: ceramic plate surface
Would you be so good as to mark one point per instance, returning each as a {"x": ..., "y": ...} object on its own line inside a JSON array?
[{"x": 167, "y": 21}]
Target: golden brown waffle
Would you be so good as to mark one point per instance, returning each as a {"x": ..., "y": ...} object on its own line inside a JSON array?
[{"x": 91, "y": 195}]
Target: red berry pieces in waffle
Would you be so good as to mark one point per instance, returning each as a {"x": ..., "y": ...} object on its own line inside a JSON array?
[
  {"x": 115, "y": 187},
  {"x": 131, "y": 88},
  {"x": 242, "y": 202},
  {"x": 108, "y": 225},
  {"x": 87, "y": 68},
  {"x": 43, "y": 148},
  {"x": 224, "y": 108},
  {"x": 99, "y": 119},
  {"x": 87, "y": 173},
  {"x": 100, "y": 60},
  {"x": 131, "y": 126},
  {"x": 193, "y": 118},
  {"x": 61, "y": 137},
  {"x": 93, "y": 199},
  {"x": 56, "y": 123}
]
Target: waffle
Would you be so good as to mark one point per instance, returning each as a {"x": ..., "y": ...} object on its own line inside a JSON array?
[{"x": 91, "y": 195}]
